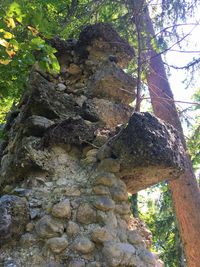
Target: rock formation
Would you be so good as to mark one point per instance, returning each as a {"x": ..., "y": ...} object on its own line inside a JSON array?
[{"x": 67, "y": 166}]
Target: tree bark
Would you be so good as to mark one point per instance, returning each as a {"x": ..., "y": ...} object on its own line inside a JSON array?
[{"x": 185, "y": 191}]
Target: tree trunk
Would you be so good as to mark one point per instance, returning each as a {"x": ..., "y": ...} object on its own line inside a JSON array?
[{"x": 185, "y": 191}]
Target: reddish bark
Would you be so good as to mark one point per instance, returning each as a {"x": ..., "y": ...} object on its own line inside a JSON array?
[{"x": 185, "y": 191}]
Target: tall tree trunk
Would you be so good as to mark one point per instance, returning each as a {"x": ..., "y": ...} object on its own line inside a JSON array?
[{"x": 185, "y": 191}]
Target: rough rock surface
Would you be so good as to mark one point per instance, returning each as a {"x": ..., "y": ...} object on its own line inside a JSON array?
[
  {"x": 66, "y": 164},
  {"x": 148, "y": 151},
  {"x": 14, "y": 216}
]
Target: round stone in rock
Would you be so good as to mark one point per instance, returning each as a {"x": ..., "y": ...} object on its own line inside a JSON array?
[
  {"x": 119, "y": 254},
  {"x": 110, "y": 165},
  {"x": 107, "y": 218},
  {"x": 86, "y": 214},
  {"x": 146, "y": 256},
  {"x": 14, "y": 216},
  {"x": 104, "y": 203},
  {"x": 61, "y": 87},
  {"x": 72, "y": 228},
  {"x": 57, "y": 244},
  {"x": 101, "y": 235},
  {"x": 48, "y": 227},
  {"x": 101, "y": 190},
  {"x": 119, "y": 193},
  {"x": 62, "y": 209},
  {"x": 105, "y": 178},
  {"x": 135, "y": 238},
  {"x": 123, "y": 208},
  {"x": 83, "y": 245},
  {"x": 77, "y": 263},
  {"x": 27, "y": 240}
]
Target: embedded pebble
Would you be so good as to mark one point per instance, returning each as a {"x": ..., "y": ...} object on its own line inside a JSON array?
[
  {"x": 57, "y": 244},
  {"x": 86, "y": 214},
  {"x": 104, "y": 203},
  {"x": 48, "y": 227},
  {"x": 83, "y": 245},
  {"x": 62, "y": 209}
]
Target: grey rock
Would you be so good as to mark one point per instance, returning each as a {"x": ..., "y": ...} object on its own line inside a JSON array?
[
  {"x": 57, "y": 244},
  {"x": 101, "y": 190},
  {"x": 135, "y": 238},
  {"x": 86, "y": 214},
  {"x": 105, "y": 178},
  {"x": 14, "y": 215},
  {"x": 77, "y": 263},
  {"x": 149, "y": 151},
  {"x": 48, "y": 227},
  {"x": 62, "y": 209},
  {"x": 83, "y": 245},
  {"x": 119, "y": 193},
  {"x": 109, "y": 165},
  {"x": 72, "y": 228},
  {"x": 119, "y": 254},
  {"x": 101, "y": 234},
  {"x": 104, "y": 203},
  {"x": 37, "y": 125},
  {"x": 61, "y": 87},
  {"x": 147, "y": 256},
  {"x": 108, "y": 82}
]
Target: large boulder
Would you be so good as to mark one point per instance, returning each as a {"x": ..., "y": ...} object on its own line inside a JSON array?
[{"x": 148, "y": 150}]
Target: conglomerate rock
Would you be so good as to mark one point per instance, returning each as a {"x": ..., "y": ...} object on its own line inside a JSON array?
[{"x": 67, "y": 165}]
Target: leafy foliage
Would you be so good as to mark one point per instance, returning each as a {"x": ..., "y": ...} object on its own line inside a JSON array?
[
  {"x": 194, "y": 140},
  {"x": 160, "y": 218}
]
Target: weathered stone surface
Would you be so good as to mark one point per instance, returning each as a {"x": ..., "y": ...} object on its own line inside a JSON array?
[
  {"x": 105, "y": 178},
  {"x": 83, "y": 245},
  {"x": 73, "y": 130},
  {"x": 119, "y": 193},
  {"x": 149, "y": 151},
  {"x": 86, "y": 214},
  {"x": 109, "y": 164},
  {"x": 134, "y": 238},
  {"x": 45, "y": 101},
  {"x": 62, "y": 209},
  {"x": 74, "y": 69},
  {"x": 111, "y": 83},
  {"x": 72, "y": 228},
  {"x": 57, "y": 244},
  {"x": 104, "y": 203},
  {"x": 107, "y": 218},
  {"x": 119, "y": 254},
  {"x": 111, "y": 114},
  {"x": 14, "y": 216},
  {"x": 61, "y": 87},
  {"x": 53, "y": 158},
  {"x": 28, "y": 240},
  {"x": 77, "y": 263},
  {"x": 147, "y": 256},
  {"x": 104, "y": 41},
  {"x": 101, "y": 190},
  {"x": 122, "y": 208},
  {"x": 100, "y": 235},
  {"x": 36, "y": 125},
  {"x": 48, "y": 227}
]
